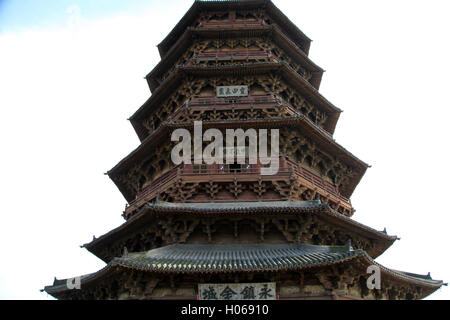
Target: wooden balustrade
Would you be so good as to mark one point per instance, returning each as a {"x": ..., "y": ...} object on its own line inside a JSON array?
[
  {"x": 231, "y": 24},
  {"x": 231, "y": 55},
  {"x": 237, "y": 104},
  {"x": 151, "y": 190},
  {"x": 200, "y": 173}
]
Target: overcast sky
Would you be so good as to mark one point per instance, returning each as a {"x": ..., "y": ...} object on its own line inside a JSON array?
[{"x": 71, "y": 74}]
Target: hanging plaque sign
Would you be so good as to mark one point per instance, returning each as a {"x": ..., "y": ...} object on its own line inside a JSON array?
[
  {"x": 232, "y": 91},
  {"x": 237, "y": 291}
]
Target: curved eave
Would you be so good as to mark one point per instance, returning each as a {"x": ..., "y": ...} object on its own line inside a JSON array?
[
  {"x": 186, "y": 40},
  {"x": 161, "y": 261},
  {"x": 188, "y": 19},
  {"x": 273, "y": 31},
  {"x": 322, "y": 139},
  {"x": 169, "y": 85},
  {"x": 323, "y": 211},
  {"x": 292, "y": 77},
  {"x": 148, "y": 143}
]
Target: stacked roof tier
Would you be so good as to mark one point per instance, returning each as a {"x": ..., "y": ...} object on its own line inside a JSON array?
[
  {"x": 335, "y": 268},
  {"x": 163, "y": 223},
  {"x": 190, "y": 224}
]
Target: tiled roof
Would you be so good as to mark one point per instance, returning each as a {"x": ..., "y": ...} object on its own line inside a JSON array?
[
  {"x": 323, "y": 211},
  {"x": 296, "y": 81},
  {"x": 147, "y": 213},
  {"x": 292, "y": 30},
  {"x": 237, "y": 206},
  {"x": 188, "y": 258},
  {"x": 272, "y": 31},
  {"x": 234, "y": 258},
  {"x": 267, "y": 207},
  {"x": 275, "y": 207},
  {"x": 299, "y": 122}
]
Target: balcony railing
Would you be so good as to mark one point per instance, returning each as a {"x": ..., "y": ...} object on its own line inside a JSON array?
[
  {"x": 251, "y": 100},
  {"x": 266, "y": 103},
  {"x": 225, "y": 169},
  {"x": 223, "y": 173},
  {"x": 315, "y": 179},
  {"x": 287, "y": 167},
  {"x": 151, "y": 190},
  {"x": 231, "y": 24},
  {"x": 232, "y": 55}
]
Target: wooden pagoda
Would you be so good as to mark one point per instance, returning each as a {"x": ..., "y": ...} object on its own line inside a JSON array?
[{"x": 226, "y": 231}]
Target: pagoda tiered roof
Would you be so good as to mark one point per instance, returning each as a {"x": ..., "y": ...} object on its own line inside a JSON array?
[
  {"x": 320, "y": 137},
  {"x": 192, "y": 224},
  {"x": 279, "y": 18},
  {"x": 324, "y": 212},
  {"x": 271, "y": 31},
  {"x": 243, "y": 258},
  {"x": 245, "y": 69}
]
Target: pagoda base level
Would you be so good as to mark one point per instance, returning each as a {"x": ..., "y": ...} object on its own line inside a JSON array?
[
  {"x": 293, "y": 271},
  {"x": 288, "y": 288}
]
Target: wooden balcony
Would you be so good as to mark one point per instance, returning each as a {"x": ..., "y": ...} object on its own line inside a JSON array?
[
  {"x": 231, "y": 55},
  {"x": 227, "y": 24},
  {"x": 197, "y": 174},
  {"x": 250, "y": 100},
  {"x": 253, "y": 107}
]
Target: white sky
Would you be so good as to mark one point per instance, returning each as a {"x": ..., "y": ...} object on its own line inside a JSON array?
[{"x": 66, "y": 92}]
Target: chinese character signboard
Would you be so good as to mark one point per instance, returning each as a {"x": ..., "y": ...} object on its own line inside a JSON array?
[
  {"x": 237, "y": 291},
  {"x": 232, "y": 91}
]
